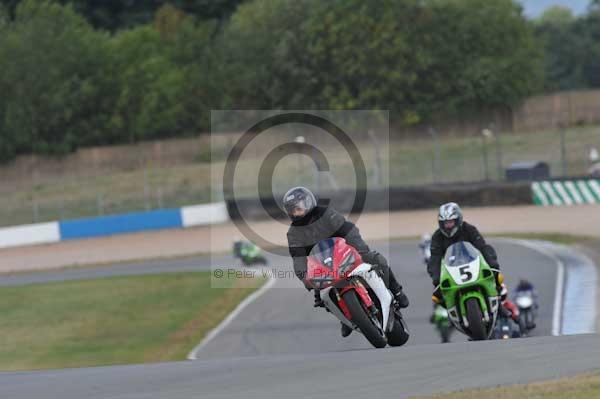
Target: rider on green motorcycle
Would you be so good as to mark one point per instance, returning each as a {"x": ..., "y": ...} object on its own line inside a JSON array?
[{"x": 453, "y": 229}]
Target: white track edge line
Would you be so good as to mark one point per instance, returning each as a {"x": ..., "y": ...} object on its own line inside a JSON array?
[{"x": 239, "y": 308}]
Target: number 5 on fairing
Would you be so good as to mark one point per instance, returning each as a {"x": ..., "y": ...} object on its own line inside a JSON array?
[
  {"x": 465, "y": 273},
  {"x": 468, "y": 286}
]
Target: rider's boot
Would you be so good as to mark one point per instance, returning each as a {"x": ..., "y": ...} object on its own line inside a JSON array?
[
  {"x": 399, "y": 295},
  {"x": 401, "y": 299},
  {"x": 318, "y": 301},
  {"x": 437, "y": 298}
]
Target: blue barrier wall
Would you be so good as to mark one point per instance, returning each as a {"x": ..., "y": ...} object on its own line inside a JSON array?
[
  {"x": 51, "y": 232},
  {"x": 118, "y": 224}
]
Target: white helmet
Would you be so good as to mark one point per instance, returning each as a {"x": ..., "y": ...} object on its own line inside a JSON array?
[{"x": 449, "y": 213}]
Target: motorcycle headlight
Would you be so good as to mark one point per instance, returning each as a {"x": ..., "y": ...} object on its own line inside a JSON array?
[
  {"x": 321, "y": 283},
  {"x": 524, "y": 301},
  {"x": 346, "y": 264}
]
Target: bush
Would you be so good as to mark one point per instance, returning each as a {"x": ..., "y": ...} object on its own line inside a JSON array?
[{"x": 52, "y": 64}]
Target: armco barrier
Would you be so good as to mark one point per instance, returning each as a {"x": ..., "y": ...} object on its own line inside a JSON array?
[
  {"x": 566, "y": 192},
  {"x": 120, "y": 224},
  {"x": 51, "y": 232},
  {"x": 197, "y": 215},
  {"x": 398, "y": 198},
  {"x": 29, "y": 234}
]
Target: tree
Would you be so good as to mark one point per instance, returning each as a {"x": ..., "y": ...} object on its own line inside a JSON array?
[
  {"x": 264, "y": 55},
  {"x": 147, "y": 104},
  {"x": 587, "y": 28},
  {"x": 556, "y": 16},
  {"x": 192, "y": 48},
  {"x": 119, "y": 14},
  {"x": 555, "y": 29},
  {"x": 484, "y": 54},
  {"x": 367, "y": 54},
  {"x": 168, "y": 20},
  {"x": 422, "y": 58},
  {"x": 52, "y": 67}
]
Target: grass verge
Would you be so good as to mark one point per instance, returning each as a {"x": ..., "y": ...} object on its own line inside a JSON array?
[
  {"x": 581, "y": 387},
  {"x": 133, "y": 319}
]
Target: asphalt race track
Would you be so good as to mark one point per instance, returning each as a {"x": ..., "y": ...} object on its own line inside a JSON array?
[
  {"x": 280, "y": 344},
  {"x": 398, "y": 373},
  {"x": 283, "y": 320}
]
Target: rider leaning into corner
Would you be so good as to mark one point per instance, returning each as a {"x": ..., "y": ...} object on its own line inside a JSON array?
[
  {"x": 452, "y": 229},
  {"x": 312, "y": 223}
]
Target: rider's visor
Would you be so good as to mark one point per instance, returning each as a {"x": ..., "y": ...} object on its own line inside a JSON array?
[
  {"x": 449, "y": 224},
  {"x": 299, "y": 210}
]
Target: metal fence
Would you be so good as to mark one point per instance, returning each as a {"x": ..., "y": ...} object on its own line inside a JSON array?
[
  {"x": 438, "y": 158},
  {"x": 182, "y": 172}
]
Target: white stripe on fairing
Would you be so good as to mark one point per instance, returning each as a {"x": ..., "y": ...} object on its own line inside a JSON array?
[
  {"x": 539, "y": 192},
  {"x": 574, "y": 192},
  {"x": 29, "y": 234},
  {"x": 563, "y": 194},
  {"x": 583, "y": 187},
  {"x": 550, "y": 191},
  {"x": 593, "y": 184}
]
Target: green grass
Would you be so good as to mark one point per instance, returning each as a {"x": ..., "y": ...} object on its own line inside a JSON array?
[
  {"x": 131, "y": 319},
  {"x": 409, "y": 161},
  {"x": 580, "y": 387}
]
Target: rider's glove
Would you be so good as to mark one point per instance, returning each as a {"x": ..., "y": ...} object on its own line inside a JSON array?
[{"x": 375, "y": 258}]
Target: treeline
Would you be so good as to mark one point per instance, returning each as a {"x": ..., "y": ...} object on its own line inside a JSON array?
[
  {"x": 81, "y": 73},
  {"x": 121, "y": 14},
  {"x": 571, "y": 47}
]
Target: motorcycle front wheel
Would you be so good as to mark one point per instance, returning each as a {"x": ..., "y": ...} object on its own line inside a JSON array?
[
  {"x": 475, "y": 318},
  {"x": 362, "y": 320}
]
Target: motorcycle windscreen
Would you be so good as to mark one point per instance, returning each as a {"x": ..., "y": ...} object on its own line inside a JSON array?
[
  {"x": 460, "y": 254},
  {"x": 323, "y": 252},
  {"x": 462, "y": 262}
]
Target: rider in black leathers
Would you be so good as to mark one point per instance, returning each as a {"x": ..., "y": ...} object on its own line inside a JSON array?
[
  {"x": 453, "y": 229},
  {"x": 312, "y": 223}
]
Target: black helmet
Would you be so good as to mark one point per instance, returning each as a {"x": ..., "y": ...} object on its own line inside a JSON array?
[
  {"x": 449, "y": 213},
  {"x": 299, "y": 202}
]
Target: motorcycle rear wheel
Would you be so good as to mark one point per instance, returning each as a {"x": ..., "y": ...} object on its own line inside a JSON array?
[{"x": 399, "y": 334}]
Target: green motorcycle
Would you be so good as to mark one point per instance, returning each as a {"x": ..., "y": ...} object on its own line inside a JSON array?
[
  {"x": 249, "y": 253},
  {"x": 441, "y": 321},
  {"x": 469, "y": 289}
]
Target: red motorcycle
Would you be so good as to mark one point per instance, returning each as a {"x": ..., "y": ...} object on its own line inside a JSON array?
[{"x": 355, "y": 293}]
